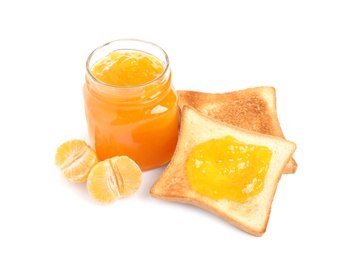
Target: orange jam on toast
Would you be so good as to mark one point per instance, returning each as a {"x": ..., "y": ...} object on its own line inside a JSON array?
[
  {"x": 131, "y": 105},
  {"x": 225, "y": 168}
]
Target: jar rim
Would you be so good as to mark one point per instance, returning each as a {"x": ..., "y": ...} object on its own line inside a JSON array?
[{"x": 166, "y": 67}]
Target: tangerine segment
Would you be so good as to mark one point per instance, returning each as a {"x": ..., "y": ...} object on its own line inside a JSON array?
[
  {"x": 114, "y": 178},
  {"x": 75, "y": 158}
]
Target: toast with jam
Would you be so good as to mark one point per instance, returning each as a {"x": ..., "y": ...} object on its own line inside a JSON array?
[
  {"x": 252, "y": 108},
  {"x": 227, "y": 170}
]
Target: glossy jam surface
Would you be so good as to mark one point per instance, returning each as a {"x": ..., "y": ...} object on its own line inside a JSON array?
[
  {"x": 127, "y": 68},
  {"x": 139, "y": 122},
  {"x": 225, "y": 168}
]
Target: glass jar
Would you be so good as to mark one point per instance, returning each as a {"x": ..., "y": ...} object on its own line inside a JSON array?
[{"x": 139, "y": 121}]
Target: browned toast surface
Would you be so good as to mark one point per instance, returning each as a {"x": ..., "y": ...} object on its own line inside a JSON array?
[{"x": 252, "y": 108}]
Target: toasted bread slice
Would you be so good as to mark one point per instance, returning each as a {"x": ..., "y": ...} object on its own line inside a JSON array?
[
  {"x": 252, "y": 108},
  {"x": 252, "y": 216}
]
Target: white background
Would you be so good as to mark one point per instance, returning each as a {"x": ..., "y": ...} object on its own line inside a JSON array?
[{"x": 305, "y": 49}]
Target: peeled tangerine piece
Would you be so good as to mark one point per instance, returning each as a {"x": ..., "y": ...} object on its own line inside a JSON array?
[
  {"x": 75, "y": 158},
  {"x": 114, "y": 178}
]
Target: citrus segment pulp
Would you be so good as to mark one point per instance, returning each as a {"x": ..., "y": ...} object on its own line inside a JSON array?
[
  {"x": 113, "y": 178},
  {"x": 75, "y": 158}
]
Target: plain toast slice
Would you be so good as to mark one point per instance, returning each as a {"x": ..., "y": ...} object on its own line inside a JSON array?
[
  {"x": 172, "y": 185},
  {"x": 252, "y": 108}
]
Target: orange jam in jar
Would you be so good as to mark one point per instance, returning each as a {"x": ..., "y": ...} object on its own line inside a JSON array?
[
  {"x": 225, "y": 168},
  {"x": 130, "y": 102}
]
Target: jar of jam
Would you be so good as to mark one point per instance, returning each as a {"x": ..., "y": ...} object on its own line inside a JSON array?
[{"x": 130, "y": 103}]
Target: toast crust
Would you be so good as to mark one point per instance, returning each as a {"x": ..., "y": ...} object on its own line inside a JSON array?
[
  {"x": 250, "y": 216},
  {"x": 252, "y": 108}
]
